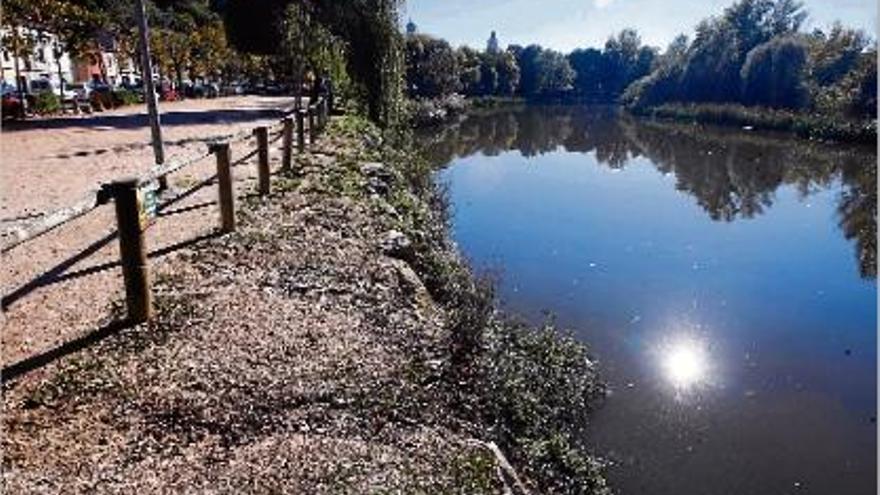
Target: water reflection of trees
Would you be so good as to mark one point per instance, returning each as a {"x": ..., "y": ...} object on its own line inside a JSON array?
[{"x": 731, "y": 174}]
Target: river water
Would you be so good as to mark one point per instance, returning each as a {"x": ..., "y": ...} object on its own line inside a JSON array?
[{"x": 724, "y": 280}]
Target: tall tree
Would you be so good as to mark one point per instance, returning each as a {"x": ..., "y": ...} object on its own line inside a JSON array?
[{"x": 368, "y": 28}]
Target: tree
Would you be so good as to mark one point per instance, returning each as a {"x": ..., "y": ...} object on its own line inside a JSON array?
[
  {"x": 431, "y": 66},
  {"x": 488, "y": 75},
  {"x": 369, "y": 30},
  {"x": 773, "y": 74},
  {"x": 530, "y": 71},
  {"x": 663, "y": 83},
  {"x": 711, "y": 68},
  {"x": 469, "y": 61},
  {"x": 588, "y": 66},
  {"x": 834, "y": 55},
  {"x": 508, "y": 74},
  {"x": 556, "y": 75}
]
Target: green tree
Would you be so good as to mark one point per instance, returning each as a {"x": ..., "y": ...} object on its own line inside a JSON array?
[
  {"x": 369, "y": 29},
  {"x": 508, "y": 74},
  {"x": 833, "y": 55},
  {"x": 431, "y": 66},
  {"x": 588, "y": 66},
  {"x": 469, "y": 61},
  {"x": 543, "y": 72},
  {"x": 773, "y": 74},
  {"x": 488, "y": 75}
]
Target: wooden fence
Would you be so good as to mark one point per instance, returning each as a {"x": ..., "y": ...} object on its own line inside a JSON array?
[{"x": 135, "y": 202}]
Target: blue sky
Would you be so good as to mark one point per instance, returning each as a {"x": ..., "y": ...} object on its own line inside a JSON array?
[{"x": 568, "y": 24}]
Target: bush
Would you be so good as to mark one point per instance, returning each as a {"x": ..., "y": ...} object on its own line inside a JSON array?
[
  {"x": 101, "y": 100},
  {"x": 47, "y": 103},
  {"x": 814, "y": 126},
  {"x": 122, "y": 97}
]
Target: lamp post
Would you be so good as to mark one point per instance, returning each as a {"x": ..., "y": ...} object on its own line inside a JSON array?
[{"x": 149, "y": 87}]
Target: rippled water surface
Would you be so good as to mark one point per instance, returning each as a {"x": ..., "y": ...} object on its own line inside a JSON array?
[{"x": 724, "y": 280}]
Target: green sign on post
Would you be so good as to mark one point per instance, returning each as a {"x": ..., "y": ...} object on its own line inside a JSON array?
[{"x": 148, "y": 200}]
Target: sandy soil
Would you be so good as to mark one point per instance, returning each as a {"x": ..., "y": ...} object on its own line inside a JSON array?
[{"x": 62, "y": 284}]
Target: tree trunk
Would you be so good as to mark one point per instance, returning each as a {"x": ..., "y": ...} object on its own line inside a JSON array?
[{"x": 16, "y": 48}]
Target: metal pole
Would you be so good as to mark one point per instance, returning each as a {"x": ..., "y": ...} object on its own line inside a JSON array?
[{"x": 150, "y": 88}]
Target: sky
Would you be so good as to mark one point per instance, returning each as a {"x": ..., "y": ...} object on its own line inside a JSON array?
[{"x": 568, "y": 24}]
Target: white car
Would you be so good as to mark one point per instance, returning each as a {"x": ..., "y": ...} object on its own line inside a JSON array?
[
  {"x": 81, "y": 91},
  {"x": 39, "y": 86}
]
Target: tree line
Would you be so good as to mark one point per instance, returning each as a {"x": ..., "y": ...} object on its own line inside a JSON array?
[
  {"x": 434, "y": 68},
  {"x": 753, "y": 54}
]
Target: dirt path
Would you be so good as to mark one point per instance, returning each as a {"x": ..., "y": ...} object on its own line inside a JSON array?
[
  {"x": 287, "y": 357},
  {"x": 61, "y": 285}
]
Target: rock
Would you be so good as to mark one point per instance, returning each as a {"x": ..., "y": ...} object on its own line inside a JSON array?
[
  {"x": 378, "y": 186},
  {"x": 373, "y": 169},
  {"x": 397, "y": 245}
]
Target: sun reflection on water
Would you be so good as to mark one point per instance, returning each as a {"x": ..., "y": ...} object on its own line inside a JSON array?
[{"x": 685, "y": 363}]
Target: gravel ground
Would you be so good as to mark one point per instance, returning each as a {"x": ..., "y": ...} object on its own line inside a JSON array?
[
  {"x": 291, "y": 356},
  {"x": 58, "y": 287}
]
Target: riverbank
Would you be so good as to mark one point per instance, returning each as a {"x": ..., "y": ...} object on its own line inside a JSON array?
[
  {"x": 809, "y": 126},
  {"x": 336, "y": 343}
]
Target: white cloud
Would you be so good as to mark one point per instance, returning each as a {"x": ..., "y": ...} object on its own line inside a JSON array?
[{"x": 601, "y": 4}]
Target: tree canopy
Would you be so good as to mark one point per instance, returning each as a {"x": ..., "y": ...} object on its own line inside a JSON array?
[{"x": 367, "y": 28}]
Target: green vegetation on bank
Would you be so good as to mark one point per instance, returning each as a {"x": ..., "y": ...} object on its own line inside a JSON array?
[
  {"x": 806, "y": 125},
  {"x": 526, "y": 389}
]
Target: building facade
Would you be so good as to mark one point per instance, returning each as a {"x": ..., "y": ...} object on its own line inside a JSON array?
[
  {"x": 44, "y": 59},
  {"x": 40, "y": 57}
]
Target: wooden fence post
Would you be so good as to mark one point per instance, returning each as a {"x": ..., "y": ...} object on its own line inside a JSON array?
[
  {"x": 313, "y": 130},
  {"x": 287, "y": 144},
  {"x": 135, "y": 271},
  {"x": 224, "y": 186},
  {"x": 301, "y": 130},
  {"x": 262, "y": 133}
]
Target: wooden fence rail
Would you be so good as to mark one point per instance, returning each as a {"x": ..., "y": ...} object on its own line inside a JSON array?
[{"x": 132, "y": 213}]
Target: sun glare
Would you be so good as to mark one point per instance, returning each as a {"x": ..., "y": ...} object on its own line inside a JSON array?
[{"x": 685, "y": 364}]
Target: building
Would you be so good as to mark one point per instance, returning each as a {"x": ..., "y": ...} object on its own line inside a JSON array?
[
  {"x": 105, "y": 64},
  {"x": 45, "y": 58}
]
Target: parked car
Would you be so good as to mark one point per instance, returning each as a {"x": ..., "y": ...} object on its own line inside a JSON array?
[
  {"x": 44, "y": 85},
  {"x": 77, "y": 90},
  {"x": 99, "y": 87},
  {"x": 205, "y": 90},
  {"x": 11, "y": 101},
  {"x": 169, "y": 94}
]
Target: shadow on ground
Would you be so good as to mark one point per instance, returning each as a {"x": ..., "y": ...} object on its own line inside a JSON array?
[{"x": 139, "y": 120}]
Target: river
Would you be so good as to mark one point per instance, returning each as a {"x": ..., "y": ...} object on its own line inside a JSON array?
[{"x": 724, "y": 280}]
